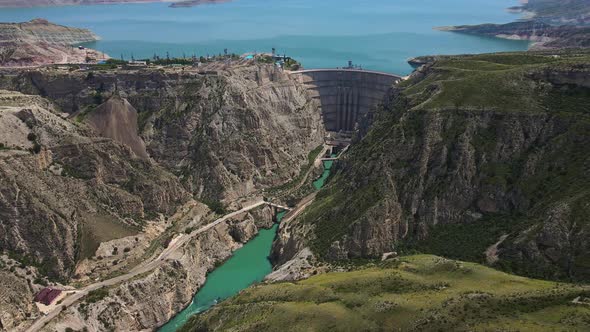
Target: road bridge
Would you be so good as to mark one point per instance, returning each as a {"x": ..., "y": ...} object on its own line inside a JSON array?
[{"x": 346, "y": 95}]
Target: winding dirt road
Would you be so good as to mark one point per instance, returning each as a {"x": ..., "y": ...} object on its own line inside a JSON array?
[{"x": 139, "y": 269}]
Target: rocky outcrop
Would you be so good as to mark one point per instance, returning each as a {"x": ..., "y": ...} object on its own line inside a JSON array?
[
  {"x": 70, "y": 186},
  {"x": 226, "y": 133},
  {"x": 454, "y": 169},
  {"x": 301, "y": 266},
  {"x": 243, "y": 227},
  {"x": 15, "y": 303},
  {"x": 117, "y": 119},
  {"x": 152, "y": 299}
]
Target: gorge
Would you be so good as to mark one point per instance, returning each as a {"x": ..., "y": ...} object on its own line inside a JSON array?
[
  {"x": 467, "y": 168},
  {"x": 356, "y": 216},
  {"x": 245, "y": 193},
  {"x": 147, "y": 219}
]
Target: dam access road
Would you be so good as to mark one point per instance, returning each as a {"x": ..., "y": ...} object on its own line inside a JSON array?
[{"x": 148, "y": 265}]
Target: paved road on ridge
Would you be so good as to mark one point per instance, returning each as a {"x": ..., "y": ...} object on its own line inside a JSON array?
[{"x": 140, "y": 269}]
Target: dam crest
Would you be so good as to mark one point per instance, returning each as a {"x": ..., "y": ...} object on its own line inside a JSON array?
[{"x": 346, "y": 95}]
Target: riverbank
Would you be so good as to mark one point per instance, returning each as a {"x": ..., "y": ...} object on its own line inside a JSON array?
[
  {"x": 247, "y": 265},
  {"x": 411, "y": 293}
]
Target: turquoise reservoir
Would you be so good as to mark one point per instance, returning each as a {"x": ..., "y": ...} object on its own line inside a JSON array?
[{"x": 377, "y": 34}]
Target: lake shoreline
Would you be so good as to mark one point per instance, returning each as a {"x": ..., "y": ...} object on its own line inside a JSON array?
[{"x": 399, "y": 30}]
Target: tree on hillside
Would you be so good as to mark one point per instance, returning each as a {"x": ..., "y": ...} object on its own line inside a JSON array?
[{"x": 6, "y": 53}]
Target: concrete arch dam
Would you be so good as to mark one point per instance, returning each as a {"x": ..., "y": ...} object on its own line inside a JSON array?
[{"x": 346, "y": 95}]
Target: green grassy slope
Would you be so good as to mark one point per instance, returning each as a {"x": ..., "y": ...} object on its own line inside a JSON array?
[{"x": 414, "y": 293}]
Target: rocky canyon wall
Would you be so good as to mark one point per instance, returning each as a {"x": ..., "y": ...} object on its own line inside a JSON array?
[{"x": 472, "y": 153}]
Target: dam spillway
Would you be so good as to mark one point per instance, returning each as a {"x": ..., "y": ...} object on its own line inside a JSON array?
[{"x": 346, "y": 95}]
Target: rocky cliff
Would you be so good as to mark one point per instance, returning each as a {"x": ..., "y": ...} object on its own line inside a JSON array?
[
  {"x": 64, "y": 191},
  {"x": 469, "y": 150},
  {"x": 95, "y": 165},
  {"x": 225, "y": 133},
  {"x": 152, "y": 299},
  {"x": 61, "y": 182}
]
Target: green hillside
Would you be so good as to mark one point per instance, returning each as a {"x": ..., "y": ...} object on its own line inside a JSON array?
[{"x": 414, "y": 293}]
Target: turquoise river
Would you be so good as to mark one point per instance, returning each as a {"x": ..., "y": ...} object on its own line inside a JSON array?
[
  {"x": 377, "y": 34},
  {"x": 247, "y": 266}
]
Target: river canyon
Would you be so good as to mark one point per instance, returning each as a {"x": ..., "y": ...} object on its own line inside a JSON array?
[{"x": 204, "y": 190}]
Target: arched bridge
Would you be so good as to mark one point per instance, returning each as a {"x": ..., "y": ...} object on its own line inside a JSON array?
[{"x": 346, "y": 95}]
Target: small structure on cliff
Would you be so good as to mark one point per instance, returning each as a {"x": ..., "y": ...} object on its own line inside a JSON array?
[{"x": 47, "y": 295}]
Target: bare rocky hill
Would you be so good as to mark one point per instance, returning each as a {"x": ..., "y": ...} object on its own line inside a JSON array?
[
  {"x": 40, "y": 42},
  {"x": 40, "y": 30},
  {"x": 225, "y": 132},
  {"x": 117, "y": 119}
]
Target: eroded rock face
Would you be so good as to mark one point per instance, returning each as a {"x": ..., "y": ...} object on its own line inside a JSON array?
[
  {"x": 15, "y": 304},
  {"x": 153, "y": 299},
  {"x": 117, "y": 119},
  {"x": 70, "y": 178},
  {"x": 224, "y": 134},
  {"x": 422, "y": 169},
  {"x": 225, "y": 131},
  {"x": 559, "y": 239}
]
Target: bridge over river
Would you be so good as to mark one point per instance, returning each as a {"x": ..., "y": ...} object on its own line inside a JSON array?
[{"x": 346, "y": 95}]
